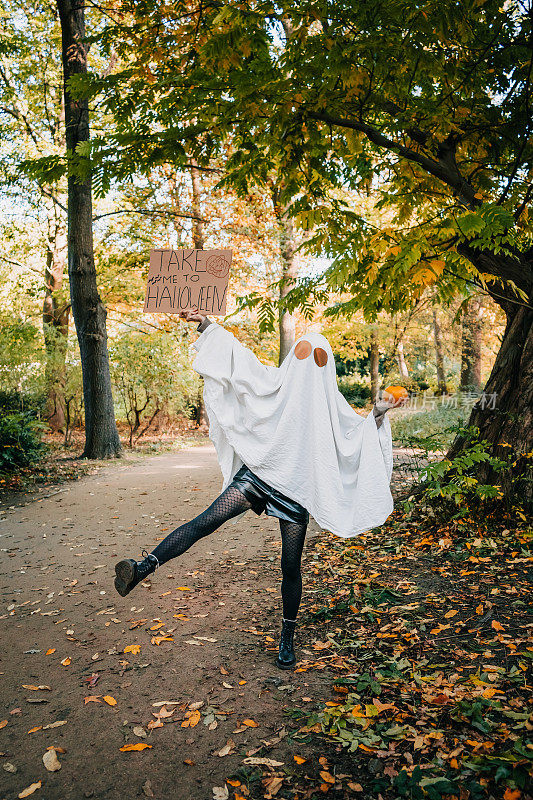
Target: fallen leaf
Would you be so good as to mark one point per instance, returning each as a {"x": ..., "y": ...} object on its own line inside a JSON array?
[
  {"x": 109, "y": 700},
  {"x": 33, "y": 688},
  {"x": 512, "y": 794},
  {"x": 31, "y": 789},
  {"x": 220, "y": 792},
  {"x": 134, "y": 649},
  {"x": 327, "y": 777},
  {"x": 56, "y": 724},
  {"x": 273, "y": 785},
  {"x": 49, "y": 652},
  {"x": 355, "y": 787},
  {"x": 51, "y": 761},
  {"x": 233, "y": 783},
  {"x": 250, "y": 723},
  {"x": 300, "y": 760},
  {"x": 139, "y": 746},
  {"x": 93, "y": 698},
  {"x": 9, "y": 767},
  {"x": 183, "y": 588},
  {"x": 65, "y": 662},
  {"x": 451, "y": 613},
  {"x": 38, "y": 728},
  {"x": 147, "y": 789},
  {"x": 224, "y": 671},
  {"x": 140, "y": 732},
  {"x": 189, "y": 762},
  {"x": 227, "y": 749},
  {"x": 496, "y": 625},
  {"x": 3, "y": 723},
  {"x": 256, "y": 761}
]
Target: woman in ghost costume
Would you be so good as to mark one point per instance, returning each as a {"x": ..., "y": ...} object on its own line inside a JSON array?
[{"x": 289, "y": 444}]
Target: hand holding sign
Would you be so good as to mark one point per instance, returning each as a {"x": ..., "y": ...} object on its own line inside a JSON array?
[
  {"x": 192, "y": 316},
  {"x": 183, "y": 280}
]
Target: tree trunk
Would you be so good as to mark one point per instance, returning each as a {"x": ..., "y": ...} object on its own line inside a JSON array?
[
  {"x": 504, "y": 413},
  {"x": 56, "y": 312},
  {"x": 289, "y": 273},
  {"x": 402, "y": 366},
  {"x": 199, "y": 241},
  {"x": 101, "y": 435},
  {"x": 439, "y": 358},
  {"x": 374, "y": 365},
  {"x": 471, "y": 346}
]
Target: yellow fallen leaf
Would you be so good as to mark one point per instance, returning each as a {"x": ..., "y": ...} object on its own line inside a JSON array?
[
  {"x": 135, "y": 649},
  {"x": 38, "y": 728},
  {"x": 233, "y": 783},
  {"x": 31, "y": 789},
  {"x": 139, "y": 746},
  {"x": 33, "y": 688},
  {"x": 300, "y": 760},
  {"x": 479, "y": 609},
  {"x": 183, "y": 588},
  {"x": 49, "y": 652},
  {"x": 158, "y": 639},
  {"x": 250, "y": 723},
  {"x": 65, "y": 662},
  {"x": 327, "y": 777},
  {"x": 157, "y": 626},
  {"x": 109, "y": 700},
  {"x": 3, "y": 723},
  {"x": 496, "y": 625},
  {"x": 451, "y": 613},
  {"x": 490, "y": 692},
  {"x": 194, "y": 719},
  {"x": 93, "y": 698},
  {"x": 479, "y": 196},
  {"x": 241, "y": 683}
]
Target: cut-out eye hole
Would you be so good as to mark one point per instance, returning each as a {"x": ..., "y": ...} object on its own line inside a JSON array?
[
  {"x": 303, "y": 349},
  {"x": 320, "y": 356}
]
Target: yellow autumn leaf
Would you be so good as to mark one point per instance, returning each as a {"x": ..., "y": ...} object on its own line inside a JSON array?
[
  {"x": 496, "y": 625},
  {"x": 139, "y": 746},
  {"x": 183, "y": 588},
  {"x": 109, "y": 700},
  {"x": 30, "y": 790},
  {"x": 65, "y": 662},
  {"x": 38, "y": 728},
  {"x": 451, "y": 613},
  {"x": 194, "y": 719},
  {"x": 49, "y": 652},
  {"x": 3, "y": 723},
  {"x": 233, "y": 783},
  {"x": 93, "y": 698},
  {"x": 157, "y": 626},
  {"x": 33, "y": 688},
  {"x": 250, "y": 723},
  {"x": 479, "y": 609},
  {"x": 327, "y": 777},
  {"x": 300, "y": 759},
  {"x": 135, "y": 649}
]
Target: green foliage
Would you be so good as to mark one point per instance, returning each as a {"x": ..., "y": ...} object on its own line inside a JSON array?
[
  {"x": 151, "y": 375},
  {"x": 429, "y": 429},
  {"x": 356, "y": 392},
  {"x": 452, "y": 481},
  {"x": 20, "y": 441}
]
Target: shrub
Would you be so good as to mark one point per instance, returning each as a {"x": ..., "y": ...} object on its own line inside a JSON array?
[
  {"x": 356, "y": 392},
  {"x": 20, "y": 441}
]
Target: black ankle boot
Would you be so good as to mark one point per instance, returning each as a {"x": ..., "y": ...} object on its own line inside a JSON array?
[
  {"x": 129, "y": 572},
  {"x": 286, "y": 658}
]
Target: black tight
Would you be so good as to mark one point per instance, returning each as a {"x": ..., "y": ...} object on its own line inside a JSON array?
[
  {"x": 292, "y": 545},
  {"x": 230, "y": 503},
  {"x": 227, "y": 505}
]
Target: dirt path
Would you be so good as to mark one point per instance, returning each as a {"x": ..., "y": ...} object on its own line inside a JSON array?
[{"x": 56, "y": 585}]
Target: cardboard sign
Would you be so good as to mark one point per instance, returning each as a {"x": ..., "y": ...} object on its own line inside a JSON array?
[{"x": 181, "y": 279}]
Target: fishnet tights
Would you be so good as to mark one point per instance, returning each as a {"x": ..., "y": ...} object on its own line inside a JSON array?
[
  {"x": 292, "y": 545},
  {"x": 227, "y": 505},
  {"x": 230, "y": 503}
]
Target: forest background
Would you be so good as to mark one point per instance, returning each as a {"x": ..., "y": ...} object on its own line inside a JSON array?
[{"x": 338, "y": 231}]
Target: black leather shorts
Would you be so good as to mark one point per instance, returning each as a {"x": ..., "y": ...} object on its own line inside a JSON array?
[{"x": 264, "y": 498}]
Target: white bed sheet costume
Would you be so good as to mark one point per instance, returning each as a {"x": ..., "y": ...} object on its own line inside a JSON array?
[{"x": 294, "y": 429}]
